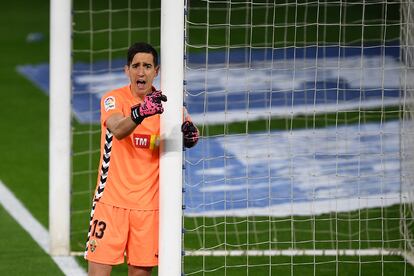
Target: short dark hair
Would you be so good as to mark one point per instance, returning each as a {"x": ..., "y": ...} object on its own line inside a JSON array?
[{"x": 141, "y": 47}]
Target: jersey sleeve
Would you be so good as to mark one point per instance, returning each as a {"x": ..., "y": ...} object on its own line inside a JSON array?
[{"x": 110, "y": 104}]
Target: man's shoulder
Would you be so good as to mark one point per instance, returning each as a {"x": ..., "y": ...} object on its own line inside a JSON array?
[{"x": 118, "y": 92}]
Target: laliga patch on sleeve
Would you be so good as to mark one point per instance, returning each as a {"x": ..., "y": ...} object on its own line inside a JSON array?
[{"x": 109, "y": 103}]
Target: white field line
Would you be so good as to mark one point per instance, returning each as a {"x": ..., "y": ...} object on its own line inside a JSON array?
[{"x": 40, "y": 235}]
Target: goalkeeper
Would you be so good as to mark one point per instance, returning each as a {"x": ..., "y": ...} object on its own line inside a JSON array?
[{"x": 124, "y": 216}]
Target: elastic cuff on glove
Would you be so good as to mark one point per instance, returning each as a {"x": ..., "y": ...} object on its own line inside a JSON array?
[{"x": 135, "y": 114}]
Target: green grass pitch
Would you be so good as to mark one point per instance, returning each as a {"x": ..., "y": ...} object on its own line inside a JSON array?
[{"x": 24, "y": 143}]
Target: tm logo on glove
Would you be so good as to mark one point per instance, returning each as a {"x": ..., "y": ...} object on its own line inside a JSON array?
[
  {"x": 152, "y": 105},
  {"x": 190, "y": 134}
]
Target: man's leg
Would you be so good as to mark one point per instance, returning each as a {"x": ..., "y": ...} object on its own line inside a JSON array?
[
  {"x": 142, "y": 246},
  {"x": 96, "y": 269},
  {"x": 139, "y": 270}
]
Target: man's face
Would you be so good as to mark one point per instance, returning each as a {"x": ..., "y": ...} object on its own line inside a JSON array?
[{"x": 141, "y": 73}]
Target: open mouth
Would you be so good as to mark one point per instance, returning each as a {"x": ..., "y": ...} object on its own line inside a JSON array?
[{"x": 141, "y": 84}]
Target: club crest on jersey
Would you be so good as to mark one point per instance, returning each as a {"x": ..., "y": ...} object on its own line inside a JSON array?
[
  {"x": 109, "y": 103},
  {"x": 145, "y": 141}
]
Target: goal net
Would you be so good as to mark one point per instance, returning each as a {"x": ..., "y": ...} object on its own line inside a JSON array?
[{"x": 304, "y": 166}]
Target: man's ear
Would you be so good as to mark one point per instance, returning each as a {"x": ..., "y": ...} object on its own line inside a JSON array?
[
  {"x": 126, "y": 70},
  {"x": 157, "y": 70}
]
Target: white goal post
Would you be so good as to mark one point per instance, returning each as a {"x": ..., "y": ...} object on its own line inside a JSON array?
[
  {"x": 60, "y": 126},
  {"x": 172, "y": 72}
]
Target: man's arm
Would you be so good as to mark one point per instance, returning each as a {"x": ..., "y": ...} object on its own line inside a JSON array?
[{"x": 120, "y": 126}]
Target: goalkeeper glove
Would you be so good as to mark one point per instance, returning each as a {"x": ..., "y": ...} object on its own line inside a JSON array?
[
  {"x": 190, "y": 134},
  {"x": 151, "y": 105}
]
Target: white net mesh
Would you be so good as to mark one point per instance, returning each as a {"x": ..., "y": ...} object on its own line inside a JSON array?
[
  {"x": 301, "y": 110},
  {"x": 407, "y": 142},
  {"x": 304, "y": 108}
]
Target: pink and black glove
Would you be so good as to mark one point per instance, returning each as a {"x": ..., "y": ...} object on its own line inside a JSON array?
[
  {"x": 152, "y": 105},
  {"x": 190, "y": 134}
]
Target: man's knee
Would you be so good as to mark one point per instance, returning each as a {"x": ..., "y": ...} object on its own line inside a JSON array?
[
  {"x": 99, "y": 269},
  {"x": 139, "y": 270}
]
